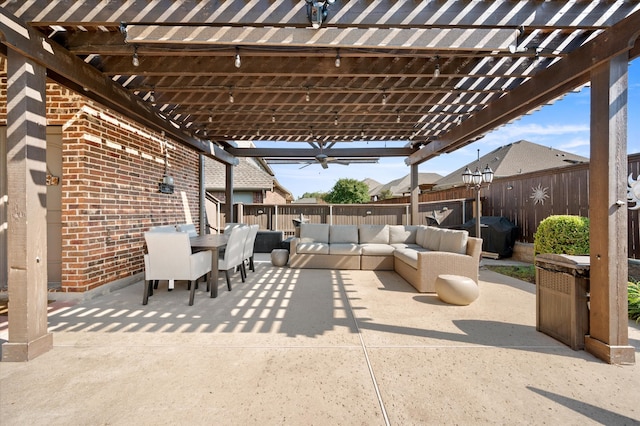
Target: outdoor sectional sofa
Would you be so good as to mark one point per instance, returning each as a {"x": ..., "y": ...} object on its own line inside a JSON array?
[{"x": 417, "y": 253}]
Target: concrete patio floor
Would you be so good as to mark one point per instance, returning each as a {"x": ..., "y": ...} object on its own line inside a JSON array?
[{"x": 306, "y": 347}]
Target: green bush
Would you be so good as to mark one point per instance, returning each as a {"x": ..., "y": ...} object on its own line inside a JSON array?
[
  {"x": 562, "y": 234},
  {"x": 634, "y": 300}
]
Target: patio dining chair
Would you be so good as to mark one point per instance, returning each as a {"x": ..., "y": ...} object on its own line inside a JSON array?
[
  {"x": 169, "y": 258},
  {"x": 248, "y": 248},
  {"x": 232, "y": 257},
  {"x": 189, "y": 228}
]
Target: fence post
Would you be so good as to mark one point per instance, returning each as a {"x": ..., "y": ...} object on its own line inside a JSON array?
[{"x": 275, "y": 228}]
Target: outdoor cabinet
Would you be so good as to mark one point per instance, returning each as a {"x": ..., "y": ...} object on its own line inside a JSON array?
[{"x": 562, "y": 293}]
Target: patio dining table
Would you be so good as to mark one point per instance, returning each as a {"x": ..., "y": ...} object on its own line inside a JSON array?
[{"x": 213, "y": 242}]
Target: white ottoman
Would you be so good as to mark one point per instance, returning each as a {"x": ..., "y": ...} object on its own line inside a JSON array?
[
  {"x": 279, "y": 257},
  {"x": 456, "y": 290}
]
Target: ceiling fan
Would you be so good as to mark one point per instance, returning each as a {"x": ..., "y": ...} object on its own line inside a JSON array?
[
  {"x": 319, "y": 158},
  {"x": 323, "y": 158}
]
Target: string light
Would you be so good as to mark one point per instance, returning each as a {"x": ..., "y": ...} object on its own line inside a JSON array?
[
  {"x": 436, "y": 72},
  {"x": 308, "y": 96},
  {"x": 231, "y": 100},
  {"x": 237, "y": 61},
  {"x": 338, "y": 62},
  {"x": 384, "y": 98},
  {"x": 135, "y": 60},
  {"x": 335, "y": 120}
]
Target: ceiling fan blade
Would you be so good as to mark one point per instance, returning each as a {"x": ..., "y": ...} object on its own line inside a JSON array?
[
  {"x": 324, "y": 164},
  {"x": 306, "y": 165}
]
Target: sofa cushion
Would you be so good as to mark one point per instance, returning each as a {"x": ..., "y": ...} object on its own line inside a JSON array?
[
  {"x": 402, "y": 234},
  {"x": 348, "y": 249},
  {"x": 314, "y": 233},
  {"x": 432, "y": 238},
  {"x": 370, "y": 249},
  {"x": 374, "y": 234},
  {"x": 312, "y": 248},
  {"x": 343, "y": 234},
  {"x": 421, "y": 234},
  {"x": 407, "y": 246},
  {"x": 408, "y": 256},
  {"x": 454, "y": 241}
]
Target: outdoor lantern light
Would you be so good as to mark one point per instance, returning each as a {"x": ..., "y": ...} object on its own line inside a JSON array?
[
  {"x": 487, "y": 174},
  {"x": 475, "y": 180},
  {"x": 466, "y": 176},
  {"x": 317, "y": 12}
]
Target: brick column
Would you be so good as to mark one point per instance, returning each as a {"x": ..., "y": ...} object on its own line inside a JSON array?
[{"x": 26, "y": 216}]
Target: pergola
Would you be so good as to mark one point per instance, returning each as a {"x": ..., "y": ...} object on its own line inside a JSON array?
[{"x": 426, "y": 77}]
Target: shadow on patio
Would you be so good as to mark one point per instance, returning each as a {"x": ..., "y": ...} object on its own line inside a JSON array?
[{"x": 306, "y": 346}]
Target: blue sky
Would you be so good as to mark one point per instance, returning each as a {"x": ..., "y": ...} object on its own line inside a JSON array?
[{"x": 563, "y": 125}]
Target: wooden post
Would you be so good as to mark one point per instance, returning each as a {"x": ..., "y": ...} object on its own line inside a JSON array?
[
  {"x": 27, "y": 194},
  {"x": 608, "y": 330},
  {"x": 415, "y": 192},
  {"x": 202, "y": 197},
  {"x": 228, "y": 191}
]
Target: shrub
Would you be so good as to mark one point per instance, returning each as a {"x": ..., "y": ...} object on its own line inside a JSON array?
[
  {"x": 562, "y": 234},
  {"x": 634, "y": 300}
]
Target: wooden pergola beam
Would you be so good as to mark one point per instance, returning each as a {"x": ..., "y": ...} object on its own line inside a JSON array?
[
  {"x": 72, "y": 72},
  {"x": 449, "y": 39},
  {"x": 306, "y": 152},
  {"x": 439, "y": 14}
]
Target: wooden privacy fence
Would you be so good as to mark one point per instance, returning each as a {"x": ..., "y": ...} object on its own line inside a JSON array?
[{"x": 281, "y": 217}]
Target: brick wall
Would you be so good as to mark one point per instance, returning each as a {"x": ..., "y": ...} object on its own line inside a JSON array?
[{"x": 111, "y": 171}]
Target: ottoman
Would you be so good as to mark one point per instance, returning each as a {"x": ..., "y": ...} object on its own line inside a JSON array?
[
  {"x": 279, "y": 257},
  {"x": 456, "y": 289}
]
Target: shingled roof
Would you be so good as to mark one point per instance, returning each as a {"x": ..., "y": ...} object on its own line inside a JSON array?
[
  {"x": 513, "y": 159},
  {"x": 401, "y": 186}
]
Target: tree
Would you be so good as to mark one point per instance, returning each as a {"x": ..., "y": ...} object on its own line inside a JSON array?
[
  {"x": 317, "y": 195},
  {"x": 348, "y": 191},
  {"x": 385, "y": 194}
]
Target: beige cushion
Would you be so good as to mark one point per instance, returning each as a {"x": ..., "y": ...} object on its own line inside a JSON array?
[
  {"x": 375, "y": 234},
  {"x": 312, "y": 248},
  {"x": 421, "y": 234},
  {"x": 408, "y": 246},
  {"x": 377, "y": 249},
  {"x": 453, "y": 241},
  {"x": 343, "y": 234},
  {"x": 408, "y": 256},
  {"x": 402, "y": 234},
  {"x": 314, "y": 233},
  {"x": 348, "y": 249},
  {"x": 432, "y": 238}
]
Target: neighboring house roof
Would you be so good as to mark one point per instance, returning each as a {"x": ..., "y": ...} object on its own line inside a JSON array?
[
  {"x": 401, "y": 186},
  {"x": 513, "y": 159},
  {"x": 373, "y": 185},
  {"x": 251, "y": 174},
  {"x": 308, "y": 200}
]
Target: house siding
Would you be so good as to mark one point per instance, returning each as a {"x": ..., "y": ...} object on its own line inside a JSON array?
[{"x": 111, "y": 170}]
